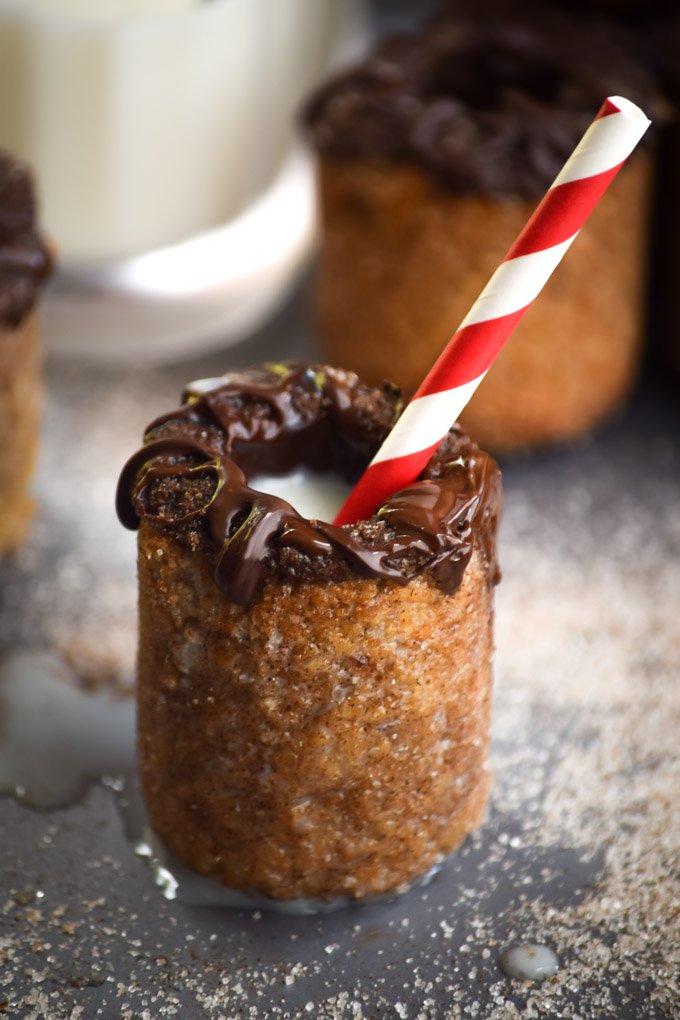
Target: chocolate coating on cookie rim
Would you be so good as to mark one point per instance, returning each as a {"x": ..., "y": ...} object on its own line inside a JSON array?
[
  {"x": 487, "y": 105},
  {"x": 190, "y": 478},
  {"x": 24, "y": 259}
]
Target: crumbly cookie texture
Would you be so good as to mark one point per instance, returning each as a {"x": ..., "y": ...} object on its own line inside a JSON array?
[
  {"x": 329, "y": 740},
  {"x": 19, "y": 412}
]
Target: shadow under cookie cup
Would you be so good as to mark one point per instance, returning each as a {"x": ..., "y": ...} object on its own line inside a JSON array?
[{"x": 327, "y": 735}]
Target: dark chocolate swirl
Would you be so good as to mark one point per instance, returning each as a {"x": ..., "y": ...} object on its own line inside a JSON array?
[
  {"x": 492, "y": 102},
  {"x": 190, "y": 479},
  {"x": 24, "y": 259}
]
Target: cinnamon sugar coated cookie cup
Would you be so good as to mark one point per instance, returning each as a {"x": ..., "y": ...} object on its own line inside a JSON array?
[
  {"x": 314, "y": 702},
  {"x": 404, "y": 260},
  {"x": 433, "y": 154},
  {"x": 24, "y": 263},
  {"x": 330, "y": 740},
  {"x": 20, "y": 387}
]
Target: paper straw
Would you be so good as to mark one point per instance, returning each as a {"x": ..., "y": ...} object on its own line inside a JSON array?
[{"x": 509, "y": 293}]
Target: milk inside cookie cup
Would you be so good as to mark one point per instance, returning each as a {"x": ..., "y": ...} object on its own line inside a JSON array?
[
  {"x": 325, "y": 736},
  {"x": 314, "y": 495}
]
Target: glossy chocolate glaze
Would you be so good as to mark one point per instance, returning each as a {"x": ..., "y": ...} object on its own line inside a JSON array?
[
  {"x": 190, "y": 478},
  {"x": 24, "y": 259},
  {"x": 489, "y": 103}
]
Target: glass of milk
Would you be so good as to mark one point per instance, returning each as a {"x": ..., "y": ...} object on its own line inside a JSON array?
[{"x": 151, "y": 121}]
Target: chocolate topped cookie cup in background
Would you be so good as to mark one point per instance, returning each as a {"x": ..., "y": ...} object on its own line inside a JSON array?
[
  {"x": 433, "y": 154},
  {"x": 24, "y": 264},
  {"x": 314, "y": 701}
]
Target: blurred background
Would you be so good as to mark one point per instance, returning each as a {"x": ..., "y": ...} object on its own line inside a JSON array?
[
  {"x": 171, "y": 183},
  {"x": 151, "y": 122},
  {"x": 164, "y": 134}
]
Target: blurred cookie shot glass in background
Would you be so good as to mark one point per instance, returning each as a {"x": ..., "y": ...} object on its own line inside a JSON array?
[
  {"x": 24, "y": 264},
  {"x": 433, "y": 152}
]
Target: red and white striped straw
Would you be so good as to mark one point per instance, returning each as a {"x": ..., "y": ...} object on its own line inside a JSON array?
[{"x": 509, "y": 293}]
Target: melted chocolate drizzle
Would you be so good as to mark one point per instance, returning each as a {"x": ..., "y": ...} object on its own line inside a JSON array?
[
  {"x": 490, "y": 98},
  {"x": 24, "y": 259},
  {"x": 190, "y": 478}
]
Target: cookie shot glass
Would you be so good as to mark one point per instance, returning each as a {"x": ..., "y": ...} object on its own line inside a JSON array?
[
  {"x": 433, "y": 153},
  {"x": 313, "y": 700},
  {"x": 24, "y": 265}
]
